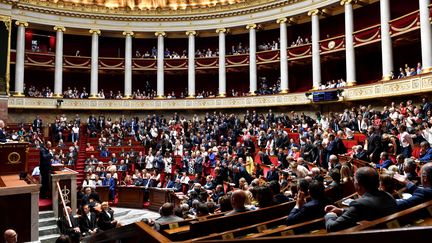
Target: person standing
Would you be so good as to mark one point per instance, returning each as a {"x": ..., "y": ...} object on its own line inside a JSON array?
[{"x": 46, "y": 157}]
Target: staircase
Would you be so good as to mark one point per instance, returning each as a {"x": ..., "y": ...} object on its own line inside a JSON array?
[
  {"x": 48, "y": 230},
  {"x": 80, "y": 163}
]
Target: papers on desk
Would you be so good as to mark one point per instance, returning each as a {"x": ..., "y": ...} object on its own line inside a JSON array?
[{"x": 347, "y": 202}]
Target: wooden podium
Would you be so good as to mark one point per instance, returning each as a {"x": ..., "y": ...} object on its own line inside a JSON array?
[
  {"x": 159, "y": 196},
  {"x": 19, "y": 195},
  {"x": 67, "y": 180}
]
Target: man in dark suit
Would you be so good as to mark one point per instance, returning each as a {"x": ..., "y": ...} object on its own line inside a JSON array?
[
  {"x": 88, "y": 224},
  {"x": 360, "y": 154},
  {"x": 70, "y": 227},
  {"x": 45, "y": 167},
  {"x": 272, "y": 174},
  {"x": 106, "y": 218},
  {"x": 374, "y": 145},
  {"x": 264, "y": 158},
  {"x": 2, "y": 133},
  {"x": 37, "y": 124},
  {"x": 304, "y": 211},
  {"x": 371, "y": 205},
  {"x": 419, "y": 194}
]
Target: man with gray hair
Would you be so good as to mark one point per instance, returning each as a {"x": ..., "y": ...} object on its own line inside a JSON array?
[{"x": 2, "y": 133}]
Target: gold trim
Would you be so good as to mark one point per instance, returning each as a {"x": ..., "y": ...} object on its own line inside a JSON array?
[
  {"x": 8, "y": 22},
  {"x": 191, "y": 97},
  {"x": 160, "y": 97},
  {"x": 251, "y": 26},
  {"x": 93, "y": 96},
  {"x": 160, "y": 33},
  {"x": 284, "y": 91},
  {"x": 128, "y": 33},
  {"x": 127, "y": 97},
  {"x": 59, "y": 28},
  {"x": 98, "y": 32},
  {"x": 386, "y": 78},
  {"x": 58, "y": 95},
  {"x": 191, "y": 32},
  {"x": 314, "y": 12},
  {"x": 222, "y": 95},
  {"x": 21, "y": 23},
  {"x": 252, "y": 93},
  {"x": 344, "y": 2},
  {"x": 18, "y": 94},
  {"x": 223, "y": 30},
  {"x": 314, "y": 88},
  {"x": 351, "y": 83},
  {"x": 426, "y": 70},
  {"x": 282, "y": 20}
]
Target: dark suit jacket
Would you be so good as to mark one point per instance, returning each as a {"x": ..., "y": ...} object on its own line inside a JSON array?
[
  {"x": 104, "y": 221},
  {"x": 370, "y": 206},
  {"x": 2, "y": 136},
  {"x": 272, "y": 175},
  {"x": 311, "y": 210},
  {"x": 419, "y": 195},
  {"x": 374, "y": 146},
  {"x": 86, "y": 224}
]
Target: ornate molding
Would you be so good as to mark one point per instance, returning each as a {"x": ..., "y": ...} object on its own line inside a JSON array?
[
  {"x": 343, "y": 2},
  {"x": 281, "y": 20},
  {"x": 409, "y": 86},
  {"x": 221, "y": 30},
  {"x": 21, "y": 23},
  {"x": 59, "y": 28},
  {"x": 128, "y": 33},
  {"x": 191, "y": 32},
  {"x": 160, "y": 33},
  {"x": 314, "y": 12},
  {"x": 95, "y": 31},
  {"x": 251, "y": 26}
]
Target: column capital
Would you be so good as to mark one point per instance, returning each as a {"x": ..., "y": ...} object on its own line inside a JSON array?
[
  {"x": 314, "y": 12},
  {"x": 191, "y": 32},
  {"x": 344, "y": 2},
  {"x": 251, "y": 26},
  {"x": 160, "y": 33},
  {"x": 59, "y": 28},
  {"x": 221, "y": 30},
  {"x": 21, "y": 23},
  {"x": 128, "y": 33},
  {"x": 95, "y": 31},
  {"x": 281, "y": 20}
]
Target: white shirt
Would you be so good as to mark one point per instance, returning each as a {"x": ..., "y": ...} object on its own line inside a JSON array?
[{"x": 406, "y": 140}]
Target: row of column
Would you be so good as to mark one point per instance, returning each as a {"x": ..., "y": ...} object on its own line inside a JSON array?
[{"x": 386, "y": 48}]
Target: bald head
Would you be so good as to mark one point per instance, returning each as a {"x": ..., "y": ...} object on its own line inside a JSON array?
[
  {"x": 10, "y": 236},
  {"x": 2, "y": 124},
  {"x": 238, "y": 199}
]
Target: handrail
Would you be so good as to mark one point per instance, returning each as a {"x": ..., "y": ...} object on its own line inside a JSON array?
[{"x": 64, "y": 204}]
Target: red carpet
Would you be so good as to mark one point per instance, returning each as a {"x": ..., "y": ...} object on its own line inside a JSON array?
[{"x": 45, "y": 204}]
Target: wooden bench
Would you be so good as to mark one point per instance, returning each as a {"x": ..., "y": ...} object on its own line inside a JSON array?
[
  {"x": 316, "y": 226},
  {"x": 420, "y": 215}
]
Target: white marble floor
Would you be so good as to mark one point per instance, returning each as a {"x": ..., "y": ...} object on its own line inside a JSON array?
[{"x": 130, "y": 215}]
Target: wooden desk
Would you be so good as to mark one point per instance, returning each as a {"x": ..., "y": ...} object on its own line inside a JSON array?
[
  {"x": 19, "y": 207},
  {"x": 103, "y": 193},
  {"x": 130, "y": 196},
  {"x": 13, "y": 158},
  {"x": 178, "y": 230},
  {"x": 159, "y": 196},
  {"x": 67, "y": 180}
]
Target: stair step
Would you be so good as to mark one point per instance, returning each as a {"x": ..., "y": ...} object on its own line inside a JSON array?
[
  {"x": 47, "y": 222},
  {"x": 46, "y": 214},
  {"x": 48, "y": 238},
  {"x": 48, "y": 230}
]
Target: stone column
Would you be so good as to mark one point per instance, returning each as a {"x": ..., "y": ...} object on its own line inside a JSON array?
[
  {"x": 191, "y": 63},
  {"x": 316, "y": 62},
  {"x": 94, "y": 63},
  {"x": 160, "y": 64},
  {"x": 349, "y": 43},
  {"x": 58, "y": 69},
  {"x": 386, "y": 42},
  {"x": 283, "y": 54},
  {"x": 222, "y": 70},
  {"x": 19, "y": 59},
  {"x": 252, "y": 59},
  {"x": 426, "y": 36},
  {"x": 128, "y": 64}
]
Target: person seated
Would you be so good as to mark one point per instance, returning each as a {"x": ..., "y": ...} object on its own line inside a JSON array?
[
  {"x": 410, "y": 169},
  {"x": 106, "y": 219},
  {"x": 425, "y": 152},
  {"x": 70, "y": 227},
  {"x": 384, "y": 162},
  {"x": 419, "y": 194},
  {"x": 89, "y": 148},
  {"x": 10, "y": 236},
  {"x": 360, "y": 153},
  {"x": 388, "y": 184},
  {"x": 305, "y": 211},
  {"x": 88, "y": 224},
  {"x": 278, "y": 197},
  {"x": 299, "y": 170},
  {"x": 335, "y": 185},
  {"x": 238, "y": 199},
  {"x": 371, "y": 205},
  {"x": 167, "y": 215}
]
